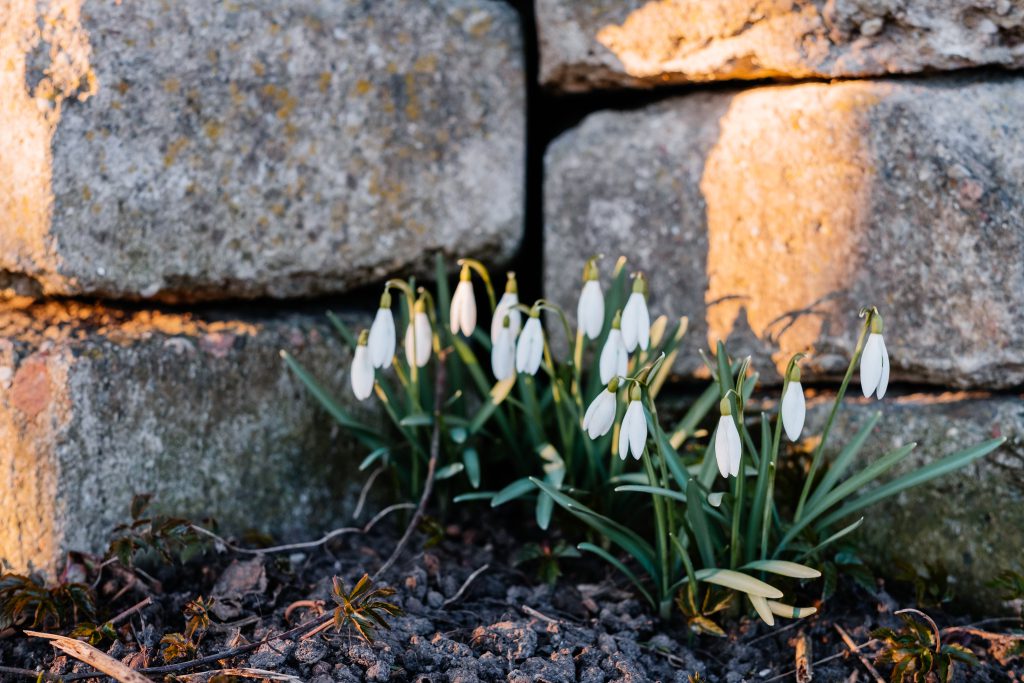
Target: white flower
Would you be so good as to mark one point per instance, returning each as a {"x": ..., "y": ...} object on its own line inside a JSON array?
[
  {"x": 636, "y": 320},
  {"x": 462, "y": 314},
  {"x": 614, "y": 360},
  {"x": 727, "y": 442},
  {"x": 530, "y": 347},
  {"x": 715, "y": 499},
  {"x": 382, "y": 334},
  {"x": 590, "y": 310},
  {"x": 600, "y": 415},
  {"x": 418, "y": 337},
  {"x": 794, "y": 409},
  {"x": 633, "y": 431},
  {"x": 362, "y": 369},
  {"x": 503, "y": 352},
  {"x": 506, "y": 307},
  {"x": 874, "y": 361}
]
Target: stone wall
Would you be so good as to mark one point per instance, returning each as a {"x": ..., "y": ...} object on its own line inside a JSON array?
[
  {"x": 175, "y": 152},
  {"x": 157, "y": 159}
]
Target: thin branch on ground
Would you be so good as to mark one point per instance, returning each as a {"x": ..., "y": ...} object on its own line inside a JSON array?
[
  {"x": 29, "y": 673},
  {"x": 428, "y": 484},
  {"x": 366, "y": 491},
  {"x": 856, "y": 649},
  {"x": 537, "y": 614},
  {"x": 130, "y": 611},
  {"x": 305, "y": 545},
  {"x": 465, "y": 585}
]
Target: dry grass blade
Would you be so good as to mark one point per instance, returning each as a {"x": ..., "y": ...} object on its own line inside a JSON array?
[
  {"x": 860, "y": 655},
  {"x": 261, "y": 674},
  {"x": 93, "y": 657}
]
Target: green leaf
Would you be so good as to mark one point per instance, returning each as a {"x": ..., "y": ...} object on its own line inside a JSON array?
[
  {"x": 783, "y": 568},
  {"x": 739, "y": 581},
  {"x": 833, "y": 538},
  {"x": 471, "y": 459},
  {"x": 845, "y": 458},
  {"x": 449, "y": 471},
  {"x": 417, "y": 420},
  {"x": 374, "y": 455},
  {"x": 699, "y": 524},
  {"x": 342, "y": 329},
  {"x": 554, "y": 474},
  {"x": 610, "y": 559},
  {"x": 656, "y": 490},
  {"x": 473, "y": 495},
  {"x": 498, "y": 393},
  {"x": 517, "y": 489},
  {"x": 919, "y": 476}
]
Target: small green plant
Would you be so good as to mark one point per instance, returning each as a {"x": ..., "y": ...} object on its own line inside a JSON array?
[
  {"x": 168, "y": 538},
  {"x": 931, "y": 582},
  {"x": 547, "y": 558},
  {"x": 551, "y": 429},
  {"x": 698, "y": 614},
  {"x": 1011, "y": 587},
  {"x": 185, "y": 645},
  {"x": 28, "y": 602},
  {"x": 916, "y": 651},
  {"x": 365, "y": 607}
]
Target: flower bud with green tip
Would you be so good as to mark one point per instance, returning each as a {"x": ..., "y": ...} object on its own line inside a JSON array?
[
  {"x": 614, "y": 360},
  {"x": 462, "y": 314},
  {"x": 382, "y": 334},
  {"x": 636, "y": 320},
  {"x": 874, "y": 360},
  {"x": 600, "y": 415},
  {"x": 794, "y": 408},
  {"x": 507, "y": 307},
  {"x": 633, "y": 431},
  {"x": 590, "y": 310},
  {"x": 727, "y": 442},
  {"x": 418, "y": 336},
  {"x": 362, "y": 369}
]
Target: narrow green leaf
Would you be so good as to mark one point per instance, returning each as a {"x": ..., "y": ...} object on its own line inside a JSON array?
[
  {"x": 342, "y": 329},
  {"x": 656, "y": 490},
  {"x": 449, "y": 471},
  {"x": 845, "y": 458},
  {"x": 610, "y": 559},
  {"x": 517, "y": 489},
  {"x": 699, "y": 524},
  {"x": 471, "y": 459},
  {"x": 374, "y": 455},
  {"x": 833, "y": 538}
]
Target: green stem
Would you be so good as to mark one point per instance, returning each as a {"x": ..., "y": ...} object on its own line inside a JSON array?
[
  {"x": 660, "y": 532},
  {"x": 737, "y": 514},
  {"x": 819, "y": 451},
  {"x": 769, "y": 501}
]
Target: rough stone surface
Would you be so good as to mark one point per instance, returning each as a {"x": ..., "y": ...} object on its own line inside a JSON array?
[
  {"x": 772, "y": 215},
  {"x": 97, "y": 405},
  {"x": 197, "y": 150},
  {"x": 969, "y": 524},
  {"x": 645, "y": 43}
]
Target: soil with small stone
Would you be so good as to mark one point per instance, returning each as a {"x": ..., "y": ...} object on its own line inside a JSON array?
[{"x": 503, "y": 625}]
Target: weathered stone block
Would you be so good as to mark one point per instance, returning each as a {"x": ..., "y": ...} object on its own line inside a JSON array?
[
  {"x": 770, "y": 216},
  {"x": 197, "y": 150},
  {"x": 969, "y": 524},
  {"x": 645, "y": 43},
  {"x": 97, "y": 405}
]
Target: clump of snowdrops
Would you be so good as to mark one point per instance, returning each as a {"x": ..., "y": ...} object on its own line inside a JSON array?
[{"x": 583, "y": 433}]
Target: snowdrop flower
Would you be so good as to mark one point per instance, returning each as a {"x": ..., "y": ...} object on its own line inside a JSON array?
[
  {"x": 503, "y": 352},
  {"x": 727, "y": 442},
  {"x": 874, "y": 361},
  {"x": 590, "y": 310},
  {"x": 382, "y": 334},
  {"x": 636, "y": 321},
  {"x": 462, "y": 314},
  {"x": 507, "y": 307},
  {"x": 794, "y": 410},
  {"x": 614, "y": 358},
  {"x": 530, "y": 347},
  {"x": 633, "y": 431},
  {"x": 418, "y": 336},
  {"x": 362, "y": 369},
  {"x": 601, "y": 414}
]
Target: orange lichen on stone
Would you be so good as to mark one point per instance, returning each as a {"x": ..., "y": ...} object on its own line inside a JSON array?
[{"x": 30, "y": 391}]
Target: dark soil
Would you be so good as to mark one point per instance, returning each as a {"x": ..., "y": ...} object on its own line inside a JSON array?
[{"x": 504, "y": 626}]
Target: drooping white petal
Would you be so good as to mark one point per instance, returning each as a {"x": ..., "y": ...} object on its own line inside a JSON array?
[
  {"x": 624, "y": 436},
  {"x": 362, "y": 373},
  {"x": 505, "y": 307},
  {"x": 530, "y": 348},
  {"x": 871, "y": 364},
  {"x": 883, "y": 379},
  {"x": 590, "y": 310},
  {"x": 637, "y": 429},
  {"x": 614, "y": 360},
  {"x": 735, "y": 450},
  {"x": 382, "y": 338},
  {"x": 419, "y": 331},
  {"x": 794, "y": 410},
  {"x": 600, "y": 415},
  {"x": 636, "y": 323},
  {"x": 503, "y": 355},
  {"x": 722, "y": 444},
  {"x": 462, "y": 313}
]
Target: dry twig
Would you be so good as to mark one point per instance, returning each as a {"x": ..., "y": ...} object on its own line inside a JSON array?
[
  {"x": 855, "y": 649},
  {"x": 93, "y": 657},
  {"x": 802, "y": 655},
  {"x": 465, "y": 585}
]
